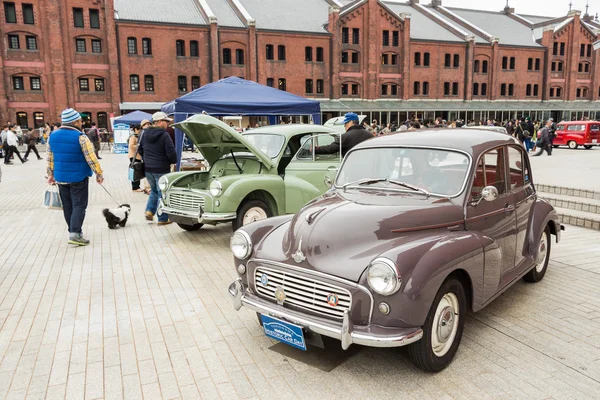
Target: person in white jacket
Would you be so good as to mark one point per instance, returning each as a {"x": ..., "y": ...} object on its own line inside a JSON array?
[{"x": 12, "y": 142}]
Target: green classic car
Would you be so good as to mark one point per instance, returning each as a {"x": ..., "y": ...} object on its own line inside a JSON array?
[{"x": 259, "y": 174}]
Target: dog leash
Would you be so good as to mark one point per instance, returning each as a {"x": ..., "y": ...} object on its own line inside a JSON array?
[{"x": 111, "y": 196}]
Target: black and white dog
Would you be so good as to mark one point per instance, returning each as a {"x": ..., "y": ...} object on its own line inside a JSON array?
[{"x": 117, "y": 216}]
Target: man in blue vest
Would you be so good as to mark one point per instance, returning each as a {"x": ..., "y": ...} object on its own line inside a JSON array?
[{"x": 71, "y": 161}]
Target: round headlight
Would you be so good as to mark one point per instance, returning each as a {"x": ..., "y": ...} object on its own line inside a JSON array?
[
  {"x": 215, "y": 188},
  {"x": 383, "y": 277},
  {"x": 240, "y": 245},
  {"x": 163, "y": 183}
]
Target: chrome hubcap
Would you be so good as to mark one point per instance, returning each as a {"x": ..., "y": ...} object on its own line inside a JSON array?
[
  {"x": 542, "y": 254},
  {"x": 254, "y": 214},
  {"x": 445, "y": 324}
]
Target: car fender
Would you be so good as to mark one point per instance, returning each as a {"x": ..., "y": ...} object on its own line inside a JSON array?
[
  {"x": 456, "y": 252},
  {"x": 542, "y": 215},
  {"x": 237, "y": 188}
]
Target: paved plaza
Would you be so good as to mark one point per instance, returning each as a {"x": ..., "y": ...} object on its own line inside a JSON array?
[{"x": 144, "y": 312}]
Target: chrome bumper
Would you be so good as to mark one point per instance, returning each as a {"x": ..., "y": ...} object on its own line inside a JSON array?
[
  {"x": 346, "y": 332},
  {"x": 204, "y": 218}
]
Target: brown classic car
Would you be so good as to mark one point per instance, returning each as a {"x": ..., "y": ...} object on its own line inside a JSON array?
[{"x": 419, "y": 228}]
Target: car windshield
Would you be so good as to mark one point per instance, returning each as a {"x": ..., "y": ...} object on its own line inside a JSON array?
[
  {"x": 269, "y": 144},
  {"x": 439, "y": 172}
]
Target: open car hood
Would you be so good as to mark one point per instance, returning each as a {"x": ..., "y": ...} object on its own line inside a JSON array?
[{"x": 215, "y": 139}]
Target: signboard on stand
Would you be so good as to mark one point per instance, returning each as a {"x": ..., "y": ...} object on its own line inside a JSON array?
[{"x": 121, "y": 132}]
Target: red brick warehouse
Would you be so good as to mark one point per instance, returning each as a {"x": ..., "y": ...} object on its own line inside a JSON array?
[{"x": 388, "y": 58}]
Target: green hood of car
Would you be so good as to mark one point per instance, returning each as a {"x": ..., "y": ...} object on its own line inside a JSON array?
[{"x": 215, "y": 139}]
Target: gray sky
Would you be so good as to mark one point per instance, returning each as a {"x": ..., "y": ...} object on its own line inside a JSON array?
[{"x": 550, "y": 8}]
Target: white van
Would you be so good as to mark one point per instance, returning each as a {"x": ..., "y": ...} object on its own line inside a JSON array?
[{"x": 337, "y": 123}]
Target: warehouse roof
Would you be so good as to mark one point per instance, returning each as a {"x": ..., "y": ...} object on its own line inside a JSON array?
[
  {"x": 508, "y": 30},
  {"x": 285, "y": 15},
  {"x": 160, "y": 11},
  {"x": 226, "y": 15}
]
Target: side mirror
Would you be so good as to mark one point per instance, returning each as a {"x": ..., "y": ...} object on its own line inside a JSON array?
[{"x": 489, "y": 193}]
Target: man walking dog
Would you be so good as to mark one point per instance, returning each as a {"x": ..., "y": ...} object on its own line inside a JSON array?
[{"x": 71, "y": 161}]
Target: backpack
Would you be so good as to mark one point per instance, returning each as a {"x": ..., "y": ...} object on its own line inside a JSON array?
[{"x": 26, "y": 138}]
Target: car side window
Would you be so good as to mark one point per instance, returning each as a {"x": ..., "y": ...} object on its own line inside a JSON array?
[
  {"x": 595, "y": 128},
  {"x": 489, "y": 172},
  {"x": 308, "y": 147},
  {"x": 515, "y": 165}
]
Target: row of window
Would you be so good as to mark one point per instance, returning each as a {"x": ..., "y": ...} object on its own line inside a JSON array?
[
  {"x": 281, "y": 83},
  {"x": 10, "y": 13},
  {"x": 132, "y": 47},
  {"x": 455, "y": 61},
  {"x": 94, "y": 15},
  {"x": 84, "y": 85},
  {"x": 346, "y": 35},
  {"x": 581, "y": 93},
  {"x": 39, "y": 120},
  {"x": 81, "y": 45},
  {"x": 35, "y": 83},
  {"x": 239, "y": 56},
  {"x": 584, "y": 67},
  {"x": 308, "y": 54},
  {"x": 14, "y": 42},
  {"x": 532, "y": 64},
  {"x": 310, "y": 86},
  {"x": 426, "y": 59},
  {"x": 182, "y": 83},
  {"x": 395, "y": 38},
  {"x": 270, "y": 52},
  {"x": 585, "y": 50}
]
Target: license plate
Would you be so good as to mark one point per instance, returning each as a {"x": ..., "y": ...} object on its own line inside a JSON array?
[
  {"x": 594, "y": 140},
  {"x": 285, "y": 332}
]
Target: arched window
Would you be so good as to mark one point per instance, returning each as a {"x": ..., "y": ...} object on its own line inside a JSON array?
[
  {"x": 22, "y": 119},
  {"x": 476, "y": 89},
  {"x": 582, "y": 93},
  {"x": 350, "y": 89},
  {"x": 239, "y": 57},
  {"x": 194, "y": 48},
  {"x": 484, "y": 89},
  {"x": 417, "y": 88},
  {"x": 556, "y": 66},
  {"x": 38, "y": 119},
  {"x": 584, "y": 67},
  {"x": 484, "y": 67},
  {"x": 269, "y": 52},
  {"x": 195, "y": 82},
  {"x": 476, "y": 66},
  {"x": 226, "y": 56},
  {"x": 134, "y": 83}
]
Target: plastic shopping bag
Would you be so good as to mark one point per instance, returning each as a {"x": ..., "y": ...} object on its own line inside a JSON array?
[{"x": 52, "y": 198}]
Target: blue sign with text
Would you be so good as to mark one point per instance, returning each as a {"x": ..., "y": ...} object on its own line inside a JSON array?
[{"x": 284, "y": 332}]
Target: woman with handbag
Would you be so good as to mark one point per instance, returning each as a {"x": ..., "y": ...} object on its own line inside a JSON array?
[{"x": 133, "y": 147}]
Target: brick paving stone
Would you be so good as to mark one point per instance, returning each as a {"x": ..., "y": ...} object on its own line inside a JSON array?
[{"x": 144, "y": 313}]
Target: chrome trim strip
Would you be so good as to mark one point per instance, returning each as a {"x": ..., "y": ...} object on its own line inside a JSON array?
[
  {"x": 346, "y": 332},
  {"x": 217, "y": 217},
  {"x": 180, "y": 213},
  {"x": 321, "y": 274}
]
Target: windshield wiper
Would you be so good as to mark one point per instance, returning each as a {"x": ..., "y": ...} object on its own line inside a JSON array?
[
  {"x": 368, "y": 181},
  {"x": 406, "y": 185},
  {"x": 365, "y": 181}
]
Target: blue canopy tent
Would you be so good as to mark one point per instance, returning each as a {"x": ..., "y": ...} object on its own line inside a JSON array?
[
  {"x": 133, "y": 118},
  {"x": 236, "y": 96}
]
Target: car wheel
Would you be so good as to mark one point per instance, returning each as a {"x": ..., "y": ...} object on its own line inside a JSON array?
[
  {"x": 587, "y": 147},
  {"x": 442, "y": 330},
  {"x": 190, "y": 228},
  {"x": 539, "y": 270},
  {"x": 572, "y": 144},
  {"x": 251, "y": 211}
]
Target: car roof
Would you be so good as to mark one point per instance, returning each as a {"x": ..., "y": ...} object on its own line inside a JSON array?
[
  {"x": 289, "y": 130},
  {"x": 576, "y": 122},
  {"x": 471, "y": 141}
]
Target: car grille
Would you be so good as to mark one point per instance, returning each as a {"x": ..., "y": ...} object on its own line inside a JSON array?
[
  {"x": 303, "y": 292},
  {"x": 186, "y": 201}
]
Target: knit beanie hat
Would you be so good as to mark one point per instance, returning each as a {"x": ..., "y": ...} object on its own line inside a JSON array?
[{"x": 69, "y": 116}]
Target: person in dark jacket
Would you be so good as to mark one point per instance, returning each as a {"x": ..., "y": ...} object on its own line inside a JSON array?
[
  {"x": 545, "y": 139},
  {"x": 353, "y": 136},
  {"x": 158, "y": 154}
]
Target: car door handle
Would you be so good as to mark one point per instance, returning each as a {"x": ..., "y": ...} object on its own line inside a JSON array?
[
  {"x": 509, "y": 208},
  {"x": 331, "y": 169}
]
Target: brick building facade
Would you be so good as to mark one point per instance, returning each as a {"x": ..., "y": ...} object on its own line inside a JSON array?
[{"x": 389, "y": 58}]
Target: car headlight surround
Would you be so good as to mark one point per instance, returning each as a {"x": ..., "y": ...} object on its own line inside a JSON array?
[
  {"x": 216, "y": 188},
  {"x": 163, "y": 183},
  {"x": 383, "y": 277},
  {"x": 240, "y": 245}
]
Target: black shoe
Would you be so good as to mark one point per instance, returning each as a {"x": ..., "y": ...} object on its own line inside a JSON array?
[
  {"x": 40, "y": 158},
  {"x": 99, "y": 158},
  {"x": 24, "y": 161},
  {"x": 9, "y": 163}
]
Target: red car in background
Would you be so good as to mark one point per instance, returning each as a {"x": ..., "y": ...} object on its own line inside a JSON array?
[{"x": 577, "y": 133}]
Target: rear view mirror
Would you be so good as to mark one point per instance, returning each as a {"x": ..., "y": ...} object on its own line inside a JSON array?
[{"x": 489, "y": 193}]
